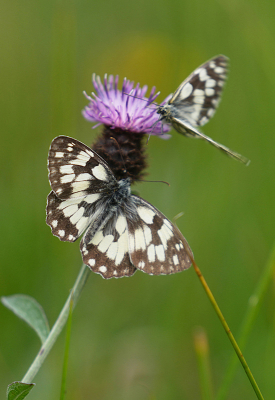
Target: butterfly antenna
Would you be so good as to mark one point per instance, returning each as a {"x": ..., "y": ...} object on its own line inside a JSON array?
[
  {"x": 148, "y": 138},
  {"x": 179, "y": 215},
  {"x": 155, "y": 104},
  {"x": 131, "y": 95},
  {"x": 154, "y": 124},
  {"x": 141, "y": 180}
]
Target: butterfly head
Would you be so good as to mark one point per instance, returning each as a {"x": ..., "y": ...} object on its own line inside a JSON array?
[{"x": 165, "y": 113}]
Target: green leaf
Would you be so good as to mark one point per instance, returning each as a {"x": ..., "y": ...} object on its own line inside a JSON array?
[
  {"x": 30, "y": 311},
  {"x": 18, "y": 390}
]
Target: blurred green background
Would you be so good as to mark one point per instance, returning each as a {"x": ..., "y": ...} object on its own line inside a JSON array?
[{"x": 133, "y": 338}]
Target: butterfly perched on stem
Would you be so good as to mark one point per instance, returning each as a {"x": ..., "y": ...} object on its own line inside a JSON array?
[
  {"x": 195, "y": 102},
  {"x": 122, "y": 232}
]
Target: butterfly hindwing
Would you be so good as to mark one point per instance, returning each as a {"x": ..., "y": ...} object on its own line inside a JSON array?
[
  {"x": 107, "y": 252},
  {"x": 156, "y": 246},
  {"x": 69, "y": 218},
  {"x": 188, "y": 130},
  {"x": 136, "y": 236}
]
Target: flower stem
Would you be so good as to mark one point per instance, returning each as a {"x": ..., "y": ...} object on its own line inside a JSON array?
[
  {"x": 202, "y": 352},
  {"x": 67, "y": 346},
  {"x": 227, "y": 330},
  {"x": 58, "y": 326}
]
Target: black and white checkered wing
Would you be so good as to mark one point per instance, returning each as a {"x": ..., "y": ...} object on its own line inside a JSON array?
[
  {"x": 122, "y": 232},
  {"x": 75, "y": 170},
  {"x": 156, "y": 246},
  {"x": 198, "y": 96},
  {"x": 107, "y": 251},
  {"x": 195, "y": 102},
  {"x": 136, "y": 236},
  {"x": 79, "y": 179}
]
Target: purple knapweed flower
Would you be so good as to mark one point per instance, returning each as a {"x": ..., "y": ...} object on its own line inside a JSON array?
[{"x": 115, "y": 109}]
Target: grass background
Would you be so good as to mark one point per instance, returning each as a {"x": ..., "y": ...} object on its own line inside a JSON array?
[{"x": 133, "y": 338}]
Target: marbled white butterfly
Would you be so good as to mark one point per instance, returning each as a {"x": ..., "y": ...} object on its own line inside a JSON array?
[
  {"x": 122, "y": 232},
  {"x": 195, "y": 102}
]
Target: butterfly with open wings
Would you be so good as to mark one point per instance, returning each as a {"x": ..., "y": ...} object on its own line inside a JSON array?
[
  {"x": 195, "y": 102},
  {"x": 122, "y": 232}
]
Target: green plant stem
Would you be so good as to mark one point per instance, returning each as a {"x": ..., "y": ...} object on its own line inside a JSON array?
[
  {"x": 227, "y": 330},
  {"x": 58, "y": 326},
  {"x": 202, "y": 352},
  {"x": 254, "y": 304},
  {"x": 67, "y": 346}
]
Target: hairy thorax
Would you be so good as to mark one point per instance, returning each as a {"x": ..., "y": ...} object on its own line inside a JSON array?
[
  {"x": 121, "y": 192},
  {"x": 165, "y": 112}
]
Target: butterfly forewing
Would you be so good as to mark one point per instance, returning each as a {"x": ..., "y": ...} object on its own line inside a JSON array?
[
  {"x": 156, "y": 246},
  {"x": 80, "y": 179},
  {"x": 75, "y": 170},
  {"x": 199, "y": 95}
]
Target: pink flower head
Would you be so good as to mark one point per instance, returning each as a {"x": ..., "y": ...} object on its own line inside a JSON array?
[{"x": 116, "y": 109}]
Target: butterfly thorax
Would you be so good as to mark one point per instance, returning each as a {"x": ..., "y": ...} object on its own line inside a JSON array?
[
  {"x": 120, "y": 192},
  {"x": 165, "y": 112}
]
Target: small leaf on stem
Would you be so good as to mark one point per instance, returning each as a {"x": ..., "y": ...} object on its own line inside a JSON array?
[
  {"x": 30, "y": 311},
  {"x": 18, "y": 390}
]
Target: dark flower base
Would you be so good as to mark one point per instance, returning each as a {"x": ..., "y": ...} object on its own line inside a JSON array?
[{"x": 125, "y": 155}]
